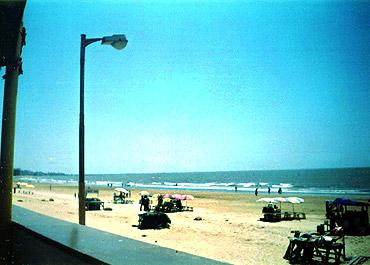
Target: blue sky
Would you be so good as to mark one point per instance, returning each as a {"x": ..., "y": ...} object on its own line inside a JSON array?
[{"x": 201, "y": 86}]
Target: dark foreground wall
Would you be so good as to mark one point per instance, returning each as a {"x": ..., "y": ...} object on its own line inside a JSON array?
[
  {"x": 54, "y": 241},
  {"x": 27, "y": 247}
]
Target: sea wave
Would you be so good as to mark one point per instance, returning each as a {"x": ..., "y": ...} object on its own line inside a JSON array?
[{"x": 248, "y": 186}]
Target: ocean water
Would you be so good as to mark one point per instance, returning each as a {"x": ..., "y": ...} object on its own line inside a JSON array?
[{"x": 336, "y": 181}]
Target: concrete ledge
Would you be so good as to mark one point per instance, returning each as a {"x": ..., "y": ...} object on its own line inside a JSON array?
[
  {"x": 106, "y": 247},
  {"x": 25, "y": 247}
]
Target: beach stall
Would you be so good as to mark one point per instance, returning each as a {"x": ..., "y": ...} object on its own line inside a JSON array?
[
  {"x": 122, "y": 196},
  {"x": 174, "y": 203},
  {"x": 293, "y": 215},
  {"x": 313, "y": 248},
  {"x": 350, "y": 214},
  {"x": 273, "y": 213},
  {"x": 92, "y": 202}
]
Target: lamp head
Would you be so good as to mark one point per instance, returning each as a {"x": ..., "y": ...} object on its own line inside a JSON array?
[{"x": 117, "y": 41}]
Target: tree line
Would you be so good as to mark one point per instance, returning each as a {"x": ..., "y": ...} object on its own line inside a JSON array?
[{"x": 25, "y": 172}]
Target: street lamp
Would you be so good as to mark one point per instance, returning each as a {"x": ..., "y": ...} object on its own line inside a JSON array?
[{"x": 119, "y": 42}]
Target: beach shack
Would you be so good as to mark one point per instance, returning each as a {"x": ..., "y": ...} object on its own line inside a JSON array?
[
  {"x": 92, "y": 202},
  {"x": 273, "y": 213},
  {"x": 121, "y": 195},
  {"x": 351, "y": 215}
]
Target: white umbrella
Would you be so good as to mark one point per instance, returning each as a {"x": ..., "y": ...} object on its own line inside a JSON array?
[
  {"x": 294, "y": 200},
  {"x": 268, "y": 200},
  {"x": 121, "y": 190},
  {"x": 279, "y": 200},
  {"x": 143, "y": 193}
]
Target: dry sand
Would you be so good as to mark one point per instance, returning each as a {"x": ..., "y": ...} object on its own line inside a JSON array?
[{"x": 230, "y": 230}]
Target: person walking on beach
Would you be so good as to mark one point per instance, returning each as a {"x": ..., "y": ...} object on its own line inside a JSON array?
[
  {"x": 268, "y": 190},
  {"x": 256, "y": 192},
  {"x": 146, "y": 203},
  {"x": 141, "y": 203},
  {"x": 280, "y": 191}
]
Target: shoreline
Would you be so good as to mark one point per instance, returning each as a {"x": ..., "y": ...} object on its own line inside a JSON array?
[{"x": 194, "y": 188}]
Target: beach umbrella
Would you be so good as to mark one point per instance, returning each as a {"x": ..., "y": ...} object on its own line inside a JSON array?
[
  {"x": 294, "y": 200},
  {"x": 156, "y": 195},
  {"x": 22, "y": 183},
  {"x": 143, "y": 193},
  {"x": 268, "y": 200},
  {"x": 168, "y": 196},
  {"x": 188, "y": 197},
  {"x": 121, "y": 190},
  {"x": 279, "y": 200},
  {"x": 178, "y": 197}
]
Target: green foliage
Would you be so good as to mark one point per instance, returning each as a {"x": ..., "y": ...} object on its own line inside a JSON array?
[{"x": 21, "y": 172}]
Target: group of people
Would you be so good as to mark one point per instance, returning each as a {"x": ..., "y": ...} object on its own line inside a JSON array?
[
  {"x": 144, "y": 203},
  {"x": 168, "y": 206},
  {"x": 280, "y": 191}
]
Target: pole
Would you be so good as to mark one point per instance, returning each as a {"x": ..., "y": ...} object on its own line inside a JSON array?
[
  {"x": 81, "y": 180},
  {"x": 8, "y": 132},
  {"x": 81, "y": 183}
]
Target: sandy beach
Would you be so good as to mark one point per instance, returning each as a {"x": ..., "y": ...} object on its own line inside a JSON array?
[{"x": 229, "y": 231}]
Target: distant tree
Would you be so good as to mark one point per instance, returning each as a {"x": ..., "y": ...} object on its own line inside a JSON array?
[
  {"x": 24, "y": 172},
  {"x": 17, "y": 172}
]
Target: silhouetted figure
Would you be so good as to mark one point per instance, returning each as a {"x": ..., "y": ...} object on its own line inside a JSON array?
[
  {"x": 160, "y": 202},
  {"x": 146, "y": 203},
  {"x": 236, "y": 188},
  {"x": 256, "y": 192},
  {"x": 141, "y": 203},
  {"x": 280, "y": 191},
  {"x": 178, "y": 205},
  {"x": 268, "y": 190}
]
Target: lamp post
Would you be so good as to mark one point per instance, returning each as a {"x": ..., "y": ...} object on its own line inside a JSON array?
[{"x": 119, "y": 42}]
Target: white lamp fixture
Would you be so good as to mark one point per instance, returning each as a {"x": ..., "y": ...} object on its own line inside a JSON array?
[{"x": 117, "y": 41}]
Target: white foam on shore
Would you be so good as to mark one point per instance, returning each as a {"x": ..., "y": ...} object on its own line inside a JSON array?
[{"x": 248, "y": 187}]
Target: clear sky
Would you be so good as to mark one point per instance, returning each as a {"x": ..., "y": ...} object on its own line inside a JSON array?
[{"x": 201, "y": 86}]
